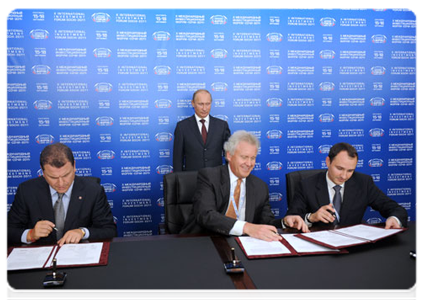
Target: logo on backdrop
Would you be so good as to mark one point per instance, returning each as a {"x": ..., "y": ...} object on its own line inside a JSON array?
[
  {"x": 219, "y": 87},
  {"x": 274, "y": 134},
  {"x": 327, "y": 22},
  {"x": 163, "y": 103},
  {"x": 375, "y": 163},
  {"x": 43, "y": 104},
  {"x": 164, "y": 137},
  {"x": 274, "y": 37},
  {"x": 41, "y": 70},
  {"x": 218, "y": 20},
  {"x": 102, "y": 52},
  {"x": 379, "y": 39},
  {"x": 161, "y": 36},
  {"x": 274, "y": 166},
  {"x": 326, "y": 118},
  {"x": 100, "y": 17},
  {"x": 104, "y": 121},
  {"x": 44, "y": 139},
  {"x": 106, "y": 154},
  {"x": 273, "y": 197},
  {"x": 164, "y": 169},
  {"x": 103, "y": 87},
  {"x": 109, "y": 187},
  {"x": 274, "y": 102},
  {"x": 324, "y": 149},
  {"x": 376, "y": 132},
  {"x": 39, "y": 34},
  {"x": 377, "y": 101}
]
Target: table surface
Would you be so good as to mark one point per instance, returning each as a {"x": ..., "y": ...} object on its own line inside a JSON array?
[
  {"x": 196, "y": 262},
  {"x": 385, "y": 264}
]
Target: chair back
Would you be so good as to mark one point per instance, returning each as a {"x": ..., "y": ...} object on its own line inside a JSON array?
[
  {"x": 178, "y": 190},
  {"x": 294, "y": 178}
]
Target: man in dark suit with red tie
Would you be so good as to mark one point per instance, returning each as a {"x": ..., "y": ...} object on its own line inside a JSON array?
[
  {"x": 341, "y": 196},
  {"x": 198, "y": 140}
]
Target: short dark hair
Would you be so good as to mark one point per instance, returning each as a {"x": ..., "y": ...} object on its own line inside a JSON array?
[
  {"x": 56, "y": 155},
  {"x": 335, "y": 149},
  {"x": 200, "y": 91}
]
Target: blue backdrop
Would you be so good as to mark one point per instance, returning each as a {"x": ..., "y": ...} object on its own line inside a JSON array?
[{"x": 112, "y": 84}]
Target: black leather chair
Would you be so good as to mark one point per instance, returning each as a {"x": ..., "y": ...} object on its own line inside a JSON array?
[
  {"x": 96, "y": 179},
  {"x": 293, "y": 178},
  {"x": 178, "y": 190}
]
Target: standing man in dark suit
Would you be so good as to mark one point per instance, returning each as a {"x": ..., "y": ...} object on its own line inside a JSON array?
[
  {"x": 198, "y": 140},
  {"x": 341, "y": 195},
  {"x": 231, "y": 201},
  {"x": 59, "y": 206}
]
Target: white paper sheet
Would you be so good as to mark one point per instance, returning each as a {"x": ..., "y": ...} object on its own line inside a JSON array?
[
  {"x": 357, "y": 234},
  {"x": 28, "y": 258},
  {"x": 331, "y": 238},
  {"x": 368, "y": 232},
  {"x": 303, "y": 246},
  {"x": 79, "y": 254},
  {"x": 253, "y": 246}
]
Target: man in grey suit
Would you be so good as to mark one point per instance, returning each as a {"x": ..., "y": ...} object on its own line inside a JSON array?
[
  {"x": 59, "y": 206},
  {"x": 230, "y": 201},
  {"x": 316, "y": 202},
  {"x": 198, "y": 140}
]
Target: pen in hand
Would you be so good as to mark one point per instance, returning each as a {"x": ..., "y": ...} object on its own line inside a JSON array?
[{"x": 54, "y": 227}]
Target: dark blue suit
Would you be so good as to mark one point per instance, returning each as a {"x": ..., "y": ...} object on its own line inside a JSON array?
[
  {"x": 211, "y": 200},
  {"x": 88, "y": 207},
  {"x": 189, "y": 151},
  {"x": 360, "y": 193}
]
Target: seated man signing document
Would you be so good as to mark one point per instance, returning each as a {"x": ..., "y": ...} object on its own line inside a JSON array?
[
  {"x": 231, "y": 201},
  {"x": 341, "y": 196},
  {"x": 59, "y": 206}
]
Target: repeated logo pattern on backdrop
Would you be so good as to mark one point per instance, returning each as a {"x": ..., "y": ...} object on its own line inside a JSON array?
[{"x": 112, "y": 84}]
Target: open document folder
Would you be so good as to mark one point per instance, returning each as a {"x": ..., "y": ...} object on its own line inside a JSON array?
[
  {"x": 289, "y": 246},
  {"x": 69, "y": 255},
  {"x": 348, "y": 236}
]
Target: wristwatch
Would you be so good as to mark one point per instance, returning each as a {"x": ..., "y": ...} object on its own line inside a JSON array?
[{"x": 83, "y": 232}]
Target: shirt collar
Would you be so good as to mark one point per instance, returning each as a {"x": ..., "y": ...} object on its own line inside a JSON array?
[
  {"x": 67, "y": 193},
  {"x": 206, "y": 118},
  {"x": 232, "y": 177}
]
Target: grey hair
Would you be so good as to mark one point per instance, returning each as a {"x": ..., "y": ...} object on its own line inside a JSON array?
[{"x": 237, "y": 137}]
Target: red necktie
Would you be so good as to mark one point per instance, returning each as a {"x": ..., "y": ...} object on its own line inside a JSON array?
[{"x": 203, "y": 131}]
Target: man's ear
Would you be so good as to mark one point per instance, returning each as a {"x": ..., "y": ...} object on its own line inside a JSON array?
[{"x": 228, "y": 156}]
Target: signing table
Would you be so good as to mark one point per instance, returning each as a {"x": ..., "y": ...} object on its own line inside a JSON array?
[{"x": 196, "y": 262}]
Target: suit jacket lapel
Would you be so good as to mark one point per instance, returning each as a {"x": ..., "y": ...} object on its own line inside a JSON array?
[
  {"x": 43, "y": 196},
  {"x": 77, "y": 196},
  {"x": 210, "y": 132},
  {"x": 249, "y": 198},
  {"x": 225, "y": 187},
  {"x": 322, "y": 193},
  {"x": 350, "y": 191}
]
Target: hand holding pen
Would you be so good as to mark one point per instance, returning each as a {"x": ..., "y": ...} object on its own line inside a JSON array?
[{"x": 42, "y": 228}]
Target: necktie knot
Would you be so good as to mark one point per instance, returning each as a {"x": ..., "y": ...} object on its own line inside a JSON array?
[
  {"x": 202, "y": 121},
  {"x": 337, "y": 188}
]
